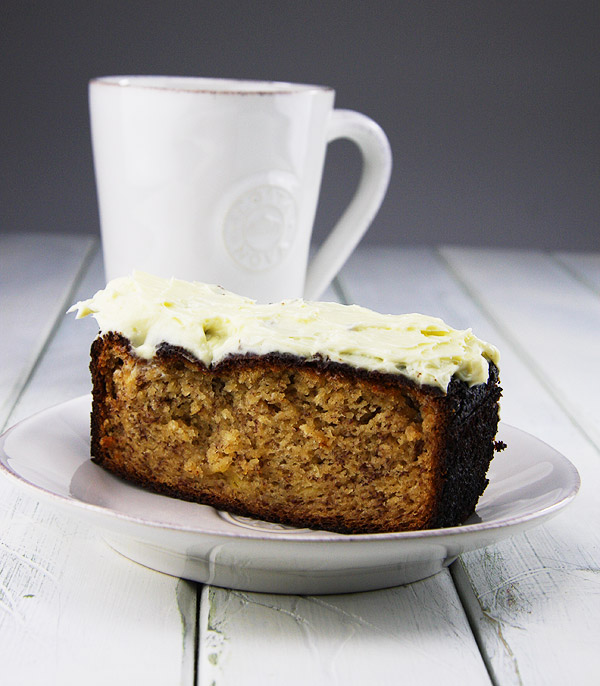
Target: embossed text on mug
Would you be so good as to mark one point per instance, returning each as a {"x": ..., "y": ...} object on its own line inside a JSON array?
[{"x": 259, "y": 229}]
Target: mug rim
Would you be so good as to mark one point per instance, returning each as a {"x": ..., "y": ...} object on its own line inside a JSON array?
[{"x": 207, "y": 85}]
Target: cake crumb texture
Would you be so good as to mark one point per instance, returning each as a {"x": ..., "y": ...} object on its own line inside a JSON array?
[{"x": 299, "y": 442}]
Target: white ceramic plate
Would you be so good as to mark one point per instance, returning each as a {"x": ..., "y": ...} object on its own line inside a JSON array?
[{"x": 48, "y": 454}]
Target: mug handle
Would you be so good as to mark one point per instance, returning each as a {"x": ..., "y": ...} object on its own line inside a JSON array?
[{"x": 376, "y": 153}]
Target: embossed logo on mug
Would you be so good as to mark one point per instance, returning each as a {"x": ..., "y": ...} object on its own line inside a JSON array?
[{"x": 259, "y": 228}]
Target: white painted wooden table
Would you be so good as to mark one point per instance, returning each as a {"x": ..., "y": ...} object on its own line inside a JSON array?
[{"x": 527, "y": 611}]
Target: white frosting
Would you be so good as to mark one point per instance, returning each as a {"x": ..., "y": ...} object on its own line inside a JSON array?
[{"x": 212, "y": 323}]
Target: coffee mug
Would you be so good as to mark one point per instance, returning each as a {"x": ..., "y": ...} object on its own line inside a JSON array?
[{"x": 217, "y": 180}]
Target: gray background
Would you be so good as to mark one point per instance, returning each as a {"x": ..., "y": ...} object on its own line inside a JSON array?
[{"x": 492, "y": 108}]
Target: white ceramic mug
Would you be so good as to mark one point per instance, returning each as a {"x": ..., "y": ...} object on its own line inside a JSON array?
[{"x": 217, "y": 180}]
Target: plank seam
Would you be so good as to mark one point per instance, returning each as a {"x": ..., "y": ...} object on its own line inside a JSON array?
[
  {"x": 580, "y": 278},
  {"x": 66, "y": 302},
  {"x": 340, "y": 291},
  {"x": 476, "y": 616},
  {"x": 519, "y": 350},
  {"x": 196, "y": 675}
]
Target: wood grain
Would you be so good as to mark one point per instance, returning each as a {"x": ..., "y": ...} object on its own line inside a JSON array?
[
  {"x": 72, "y": 611},
  {"x": 539, "y": 593},
  {"x": 524, "y": 611},
  {"x": 584, "y": 266},
  {"x": 420, "y": 630},
  {"x": 37, "y": 275}
]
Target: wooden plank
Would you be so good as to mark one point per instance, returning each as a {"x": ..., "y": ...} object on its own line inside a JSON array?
[
  {"x": 37, "y": 273},
  {"x": 71, "y": 609},
  {"x": 62, "y": 372},
  {"x": 586, "y": 266},
  {"x": 400, "y": 280},
  {"x": 361, "y": 638},
  {"x": 549, "y": 317},
  {"x": 418, "y": 631},
  {"x": 534, "y": 600},
  {"x": 165, "y": 651},
  {"x": 408, "y": 280}
]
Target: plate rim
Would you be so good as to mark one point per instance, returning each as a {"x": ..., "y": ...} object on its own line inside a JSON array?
[{"x": 319, "y": 536}]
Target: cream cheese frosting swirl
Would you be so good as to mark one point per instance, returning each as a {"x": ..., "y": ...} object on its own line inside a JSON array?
[{"x": 212, "y": 324}]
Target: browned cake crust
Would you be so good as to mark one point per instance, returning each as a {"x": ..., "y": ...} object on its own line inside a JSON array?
[{"x": 309, "y": 443}]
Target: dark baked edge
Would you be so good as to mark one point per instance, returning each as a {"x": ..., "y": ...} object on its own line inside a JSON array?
[{"x": 472, "y": 422}]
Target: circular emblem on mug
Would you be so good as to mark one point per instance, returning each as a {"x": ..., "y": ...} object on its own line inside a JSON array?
[{"x": 259, "y": 227}]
